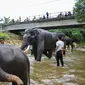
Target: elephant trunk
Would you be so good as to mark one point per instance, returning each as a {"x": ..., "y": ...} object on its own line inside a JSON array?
[
  {"x": 13, "y": 78},
  {"x": 23, "y": 46},
  {"x": 10, "y": 78}
]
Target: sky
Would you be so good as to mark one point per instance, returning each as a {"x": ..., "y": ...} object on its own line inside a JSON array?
[{"x": 25, "y": 8}]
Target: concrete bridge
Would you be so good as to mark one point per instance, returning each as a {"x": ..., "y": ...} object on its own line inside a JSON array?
[{"x": 55, "y": 22}]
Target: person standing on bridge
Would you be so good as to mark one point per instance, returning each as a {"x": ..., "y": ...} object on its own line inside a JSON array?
[
  {"x": 59, "y": 51},
  {"x": 47, "y": 14}
]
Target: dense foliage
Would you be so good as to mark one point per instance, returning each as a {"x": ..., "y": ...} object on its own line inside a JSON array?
[
  {"x": 4, "y": 35},
  {"x": 79, "y": 10},
  {"x": 75, "y": 33}
]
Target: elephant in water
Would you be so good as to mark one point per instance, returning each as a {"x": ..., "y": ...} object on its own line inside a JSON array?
[
  {"x": 69, "y": 42},
  {"x": 14, "y": 65},
  {"x": 42, "y": 41}
]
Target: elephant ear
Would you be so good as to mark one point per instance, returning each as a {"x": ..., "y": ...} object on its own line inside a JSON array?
[
  {"x": 34, "y": 33},
  {"x": 27, "y": 31}
]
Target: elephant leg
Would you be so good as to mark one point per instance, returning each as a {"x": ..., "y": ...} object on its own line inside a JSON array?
[
  {"x": 72, "y": 47},
  {"x": 40, "y": 49},
  {"x": 6, "y": 77},
  {"x": 31, "y": 52},
  {"x": 45, "y": 52},
  {"x": 39, "y": 54},
  {"x": 34, "y": 51},
  {"x": 24, "y": 76},
  {"x": 68, "y": 46},
  {"x": 35, "y": 54},
  {"x": 13, "y": 83},
  {"x": 24, "y": 79},
  {"x": 49, "y": 54}
]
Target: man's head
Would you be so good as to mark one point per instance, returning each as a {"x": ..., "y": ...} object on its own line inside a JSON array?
[{"x": 60, "y": 37}]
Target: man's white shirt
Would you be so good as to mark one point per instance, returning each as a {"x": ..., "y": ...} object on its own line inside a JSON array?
[{"x": 59, "y": 45}]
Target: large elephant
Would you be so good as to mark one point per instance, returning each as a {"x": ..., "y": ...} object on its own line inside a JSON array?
[
  {"x": 14, "y": 65},
  {"x": 42, "y": 41}
]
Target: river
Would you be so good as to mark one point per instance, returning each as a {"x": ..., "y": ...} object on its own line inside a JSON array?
[{"x": 46, "y": 72}]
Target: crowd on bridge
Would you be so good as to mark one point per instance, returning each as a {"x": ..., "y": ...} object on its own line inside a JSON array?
[{"x": 46, "y": 16}]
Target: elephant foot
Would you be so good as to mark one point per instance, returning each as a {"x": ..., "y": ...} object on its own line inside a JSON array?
[{"x": 38, "y": 59}]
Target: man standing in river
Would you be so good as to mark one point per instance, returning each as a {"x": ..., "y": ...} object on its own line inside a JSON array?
[{"x": 59, "y": 51}]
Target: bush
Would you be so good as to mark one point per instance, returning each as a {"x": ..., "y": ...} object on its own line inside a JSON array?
[
  {"x": 4, "y": 35},
  {"x": 75, "y": 33}
]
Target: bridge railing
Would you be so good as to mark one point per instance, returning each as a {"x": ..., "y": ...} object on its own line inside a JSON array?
[
  {"x": 42, "y": 17},
  {"x": 50, "y": 15}
]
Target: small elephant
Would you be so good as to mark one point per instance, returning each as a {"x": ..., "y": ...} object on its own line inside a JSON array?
[
  {"x": 42, "y": 41},
  {"x": 14, "y": 65},
  {"x": 69, "y": 42}
]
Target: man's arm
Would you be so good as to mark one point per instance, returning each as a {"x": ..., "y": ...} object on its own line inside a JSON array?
[
  {"x": 63, "y": 51},
  {"x": 56, "y": 47}
]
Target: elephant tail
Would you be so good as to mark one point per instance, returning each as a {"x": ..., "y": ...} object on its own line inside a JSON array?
[{"x": 10, "y": 78}]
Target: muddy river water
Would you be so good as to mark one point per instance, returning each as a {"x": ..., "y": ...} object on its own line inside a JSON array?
[{"x": 46, "y": 72}]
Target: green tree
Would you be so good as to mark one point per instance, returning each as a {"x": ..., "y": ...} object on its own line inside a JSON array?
[
  {"x": 6, "y": 20},
  {"x": 79, "y": 10},
  {"x": 4, "y": 35}
]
